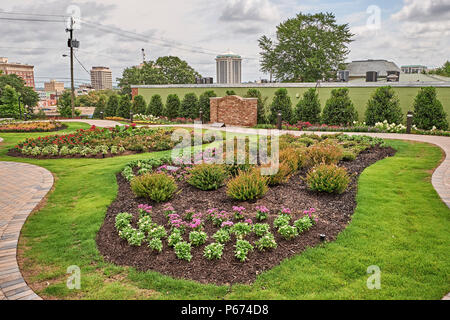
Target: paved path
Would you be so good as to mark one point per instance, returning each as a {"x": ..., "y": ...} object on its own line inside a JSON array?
[
  {"x": 98, "y": 123},
  {"x": 22, "y": 187}
]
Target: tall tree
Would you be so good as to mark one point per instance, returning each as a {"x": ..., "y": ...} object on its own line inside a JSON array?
[
  {"x": 262, "y": 104},
  {"x": 428, "y": 110},
  {"x": 281, "y": 103},
  {"x": 156, "y": 106},
  {"x": 30, "y": 97},
  {"x": 339, "y": 109},
  {"x": 100, "y": 107},
  {"x": 384, "y": 105},
  {"x": 165, "y": 70},
  {"x": 189, "y": 106},
  {"x": 173, "y": 106},
  {"x": 204, "y": 105},
  {"x": 139, "y": 105},
  {"x": 64, "y": 105},
  {"x": 307, "y": 48},
  {"x": 112, "y": 106},
  {"x": 308, "y": 108},
  {"x": 9, "y": 105},
  {"x": 124, "y": 108}
]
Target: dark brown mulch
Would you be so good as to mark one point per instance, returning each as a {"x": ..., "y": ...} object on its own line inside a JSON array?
[{"x": 334, "y": 212}]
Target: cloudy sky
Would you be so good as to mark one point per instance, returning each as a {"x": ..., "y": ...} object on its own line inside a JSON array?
[{"x": 113, "y": 32}]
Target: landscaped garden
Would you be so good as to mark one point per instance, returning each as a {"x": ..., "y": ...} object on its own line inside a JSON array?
[{"x": 397, "y": 221}]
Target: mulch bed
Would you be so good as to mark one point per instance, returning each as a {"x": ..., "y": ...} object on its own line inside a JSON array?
[{"x": 334, "y": 213}]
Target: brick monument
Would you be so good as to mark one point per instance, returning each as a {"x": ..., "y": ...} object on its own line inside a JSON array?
[{"x": 234, "y": 111}]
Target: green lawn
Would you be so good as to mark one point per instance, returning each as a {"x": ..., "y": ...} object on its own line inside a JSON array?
[
  {"x": 359, "y": 95},
  {"x": 400, "y": 225}
]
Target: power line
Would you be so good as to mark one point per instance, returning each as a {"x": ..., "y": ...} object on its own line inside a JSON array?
[{"x": 30, "y": 20}]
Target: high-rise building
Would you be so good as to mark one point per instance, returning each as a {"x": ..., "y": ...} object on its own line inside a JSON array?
[
  {"x": 26, "y": 72},
  {"x": 101, "y": 78},
  {"x": 229, "y": 68},
  {"x": 54, "y": 86}
]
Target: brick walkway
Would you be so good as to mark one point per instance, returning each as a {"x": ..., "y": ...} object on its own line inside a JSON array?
[{"x": 23, "y": 187}]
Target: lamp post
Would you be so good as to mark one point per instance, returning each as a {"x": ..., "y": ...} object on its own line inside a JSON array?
[
  {"x": 409, "y": 121},
  {"x": 201, "y": 116},
  {"x": 101, "y": 115},
  {"x": 22, "y": 115},
  {"x": 279, "y": 121},
  {"x": 131, "y": 116}
]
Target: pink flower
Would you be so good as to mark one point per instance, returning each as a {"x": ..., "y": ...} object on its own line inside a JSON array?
[{"x": 249, "y": 221}]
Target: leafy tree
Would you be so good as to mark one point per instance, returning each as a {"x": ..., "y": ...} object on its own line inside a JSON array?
[
  {"x": 230, "y": 93},
  {"x": 428, "y": 110},
  {"x": 262, "y": 104},
  {"x": 9, "y": 105},
  {"x": 124, "y": 107},
  {"x": 308, "y": 108},
  {"x": 384, "y": 105},
  {"x": 156, "y": 106},
  {"x": 139, "y": 105},
  {"x": 204, "y": 104},
  {"x": 189, "y": 106},
  {"x": 100, "y": 106},
  {"x": 308, "y": 48},
  {"x": 281, "y": 103},
  {"x": 339, "y": 109},
  {"x": 112, "y": 106},
  {"x": 173, "y": 106},
  {"x": 442, "y": 71},
  {"x": 165, "y": 70},
  {"x": 30, "y": 98},
  {"x": 64, "y": 105}
]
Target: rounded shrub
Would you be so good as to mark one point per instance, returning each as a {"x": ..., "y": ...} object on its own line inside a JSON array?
[
  {"x": 428, "y": 110},
  {"x": 308, "y": 108},
  {"x": 328, "y": 178},
  {"x": 158, "y": 187},
  {"x": 173, "y": 105},
  {"x": 124, "y": 108},
  {"x": 189, "y": 106},
  {"x": 339, "y": 109},
  {"x": 384, "y": 105},
  {"x": 207, "y": 176},
  {"x": 248, "y": 185},
  {"x": 139, "y": 106},
  {"x": 322, "y": 153},
  {"x": 155, "y": 107}
]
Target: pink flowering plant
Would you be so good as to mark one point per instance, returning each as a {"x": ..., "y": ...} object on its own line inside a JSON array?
[
  {"x": 262, "y": 213},
  {"x": 238, "y": 212},
  {"x": 145, "y": 210}
]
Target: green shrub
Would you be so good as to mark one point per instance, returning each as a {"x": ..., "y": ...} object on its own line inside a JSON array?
[
  {"x": 139, "y": 106},
  {"x": 339, "y": 109},
  {"x": 428, "y": 110},
  {"x": 267, "y": 241},
  {"x": 207, "y": 176},
  {"x": 124, "y": 108},
  {"x": 323, "y": 152},
  {"x": 282, "y": 220},
  {"x": 247, "y": 186},
  {"x": 189, "y": 106},
  {"x": 155, "y": 244},
  {"x": 173, "y": 105},
  {"x": 174, "y": 237},
  {"x": 183, "y": 251},
  {"x": 222, "y": 236},
  {"x": 241, "y": 230},
  {"x": 384, "y": 105},
  {"x": 303, "y": 224},
  {"x": 158, "y": 187},
  {"x": 281, "y": 103},
  {"x": 242, "y": 248},
  {"x": 197, "y": 238},
  {"x": 328, "y": 178},
  {"x": 123, "y": 220},
  {"x": 213, "y": 251},
  {"x": 288, "y": 232},
  {"x": 112, "y": 106},
  {"x": 155, "y": 107},
  {"x": 308, "y": 108},
  {"x": 261, "y": 229},
  {"x": 158, "y": 232},
  {"x": 349, "y": 155},
  {"x": 136, "y": 238},
  {"x": 204, "y": 104}
]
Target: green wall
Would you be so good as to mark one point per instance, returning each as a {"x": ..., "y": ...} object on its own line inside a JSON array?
[{"x": 359, "y": 95}]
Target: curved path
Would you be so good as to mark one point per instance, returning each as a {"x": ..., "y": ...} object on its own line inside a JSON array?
[{"x": 24, "y": 186}]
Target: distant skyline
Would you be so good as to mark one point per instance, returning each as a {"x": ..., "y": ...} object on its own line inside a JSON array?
[{"x": 403, "y": 31}]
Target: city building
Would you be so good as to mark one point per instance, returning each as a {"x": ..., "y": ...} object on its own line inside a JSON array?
[
  {"x": 84, "y": 89},
  {"x": 374, "y": 68},
  {"x": 229, "y": 68},
  {"x": 26, "y": 72},
  {"x": 54, "y": 86},
  {"x": 101, "y": 78},
  {"x": 414, "y": 69}
]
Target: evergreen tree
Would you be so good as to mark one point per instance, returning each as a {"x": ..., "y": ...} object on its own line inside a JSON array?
[
  {"x": 189, "y": 106},
  {"x": 124, "y": 107},
  {"x": 139, "y": 105},
  {"x": 204, "y": 104},
  {"x": 262, "y": 104},
  {"x": 308, "y": 108},
  {"x": 339, "y": 109},
  {"x": 384, "y": 105},
  {"x": 9, "y": 104},
  {"x": 173, "y": 106},
  {"x": 155, "y": 107},
  {"x": 100, "y": 106},
  {"x": 281, "y": 103},
  {"x": 428, "y": 110},
  {"x": 112, "y": 106}
]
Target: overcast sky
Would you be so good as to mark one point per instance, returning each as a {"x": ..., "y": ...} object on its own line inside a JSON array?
[{"x": 404, "y": 31}]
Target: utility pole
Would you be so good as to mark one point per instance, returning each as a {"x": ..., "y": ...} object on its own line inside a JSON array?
[{"x": 71, "y": 45}]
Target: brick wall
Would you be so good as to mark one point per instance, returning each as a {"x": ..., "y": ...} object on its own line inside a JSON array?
[
  {"x": 134, "y": 92},
  {"x": 234, "y": 111}
]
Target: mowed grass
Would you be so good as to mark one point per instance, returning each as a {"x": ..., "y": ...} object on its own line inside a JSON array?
[{"x": 400, "y": 225}]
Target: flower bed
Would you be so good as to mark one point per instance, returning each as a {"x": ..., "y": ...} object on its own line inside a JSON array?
[
  {"x": 32, "y": 126},
  {"x": 97, "y": 143},
  {"x": 210, "y": 237}
]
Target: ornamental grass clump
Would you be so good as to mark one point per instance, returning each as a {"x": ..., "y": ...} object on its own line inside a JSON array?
[
  {"x": 328, "y": 178},
  {"x": 158, "y": 187},
  {"x": 324, "y": 152},
  {"x": 247, "y": 186},
  {"x": 207, "y": 176}
]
